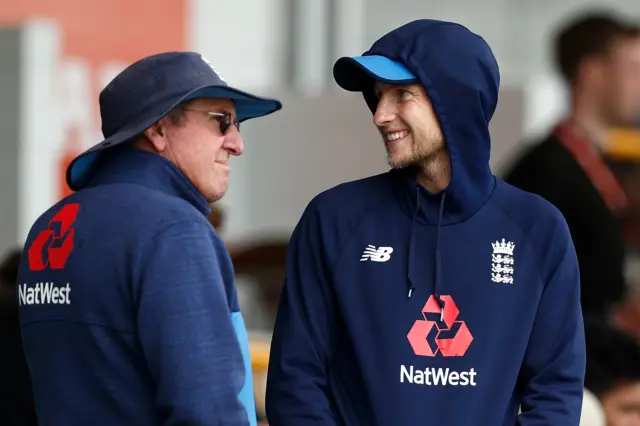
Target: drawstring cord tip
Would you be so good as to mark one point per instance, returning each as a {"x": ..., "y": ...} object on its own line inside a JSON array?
[
  {"x": 410, "y": 292},
  {"x": 442, "y": 314}
]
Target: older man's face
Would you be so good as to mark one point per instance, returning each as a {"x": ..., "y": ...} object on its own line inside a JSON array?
[{"x": 200, "y": 149}]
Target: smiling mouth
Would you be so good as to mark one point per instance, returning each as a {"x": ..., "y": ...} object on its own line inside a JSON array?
[{"x": 396, "y": 136}]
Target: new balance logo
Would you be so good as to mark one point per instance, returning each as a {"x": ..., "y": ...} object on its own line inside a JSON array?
[{"x": 380, "y": 254}]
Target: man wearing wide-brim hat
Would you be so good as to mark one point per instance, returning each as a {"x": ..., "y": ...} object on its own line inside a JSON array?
[{"x": 127, "y": 300}]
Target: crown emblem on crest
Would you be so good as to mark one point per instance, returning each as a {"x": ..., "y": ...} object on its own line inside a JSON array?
[{"x": 503, "y": 247}]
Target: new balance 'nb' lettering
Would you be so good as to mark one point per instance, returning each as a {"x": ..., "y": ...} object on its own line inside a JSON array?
[{"x": 380, "y": 254}]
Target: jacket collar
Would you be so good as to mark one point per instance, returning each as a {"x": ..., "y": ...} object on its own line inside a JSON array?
[
  {"x": 135, "y": 166},
  {"x": 412, "y": 195}
]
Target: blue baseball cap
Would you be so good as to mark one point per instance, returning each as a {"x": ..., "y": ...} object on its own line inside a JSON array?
[
  {"x": 148, "y": 90},
  {"x": 355, "y": 74}
]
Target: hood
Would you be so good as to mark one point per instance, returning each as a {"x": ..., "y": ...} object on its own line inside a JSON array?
[{"x": 461, "y": 77}]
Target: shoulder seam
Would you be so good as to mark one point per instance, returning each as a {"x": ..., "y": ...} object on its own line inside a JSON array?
[
  {"x": 166, "y": 228},
  {"x": 350, "y": 232}
]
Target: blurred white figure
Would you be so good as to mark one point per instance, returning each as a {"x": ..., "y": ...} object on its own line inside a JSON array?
[{"x": 592, "y": 412}]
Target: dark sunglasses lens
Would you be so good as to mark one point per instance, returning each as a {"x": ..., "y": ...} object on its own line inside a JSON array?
[{"x": 225, "y": 123}]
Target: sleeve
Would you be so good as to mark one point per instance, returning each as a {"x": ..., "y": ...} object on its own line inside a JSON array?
[
  {"x": 186, "y": 331},
  {"x": 302, "y": 343},
  {"x": 552, "y": 374}
]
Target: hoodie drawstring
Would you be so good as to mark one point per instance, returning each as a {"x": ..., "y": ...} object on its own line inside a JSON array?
[
  {"x": 438, "y": 281},
  {"x": 437, "y": 287},
  {"x": 412, "y": 241}
]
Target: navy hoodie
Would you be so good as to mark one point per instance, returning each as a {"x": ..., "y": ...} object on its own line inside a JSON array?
[
  {"x": 128, "y": 306},
  {"x": 402, "y": 307}
]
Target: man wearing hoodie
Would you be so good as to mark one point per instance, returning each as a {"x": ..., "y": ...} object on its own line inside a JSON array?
[
  {"x": 127, "y": 301},
  {"x": 434, "y": 293}
]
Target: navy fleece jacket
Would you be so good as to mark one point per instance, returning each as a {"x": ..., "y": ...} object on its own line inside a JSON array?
[
  {"x": 402, "y": 307},
  {"x": 128, "y": 305}
]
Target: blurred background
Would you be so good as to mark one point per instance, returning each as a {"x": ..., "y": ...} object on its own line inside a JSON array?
[{"x": 56, "y": 56}]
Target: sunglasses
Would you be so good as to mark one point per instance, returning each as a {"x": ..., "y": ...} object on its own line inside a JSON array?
[{"x": 225, "y": 119}]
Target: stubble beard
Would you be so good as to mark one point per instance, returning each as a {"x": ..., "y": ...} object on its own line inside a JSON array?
[{"x": 420, "y": 155}]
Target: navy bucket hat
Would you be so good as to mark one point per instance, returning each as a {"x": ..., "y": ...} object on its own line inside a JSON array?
[{"x": 148, "y": 90}]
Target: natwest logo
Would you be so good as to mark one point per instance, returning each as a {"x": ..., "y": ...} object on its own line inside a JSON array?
[
  {"x": 432, "y": 376},
  {"x": 56, "y": 241},
  {"x": 439, "y": 331}
]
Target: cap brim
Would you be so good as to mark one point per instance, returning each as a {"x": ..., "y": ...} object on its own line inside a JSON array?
[
  {"x": 247, "y": 106},
  {"x": 355, "y": 74}
]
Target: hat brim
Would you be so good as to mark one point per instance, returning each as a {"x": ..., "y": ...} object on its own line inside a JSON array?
[
  {"x": 247, "y": 106},
  {"x": 355, "y": 74}
]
